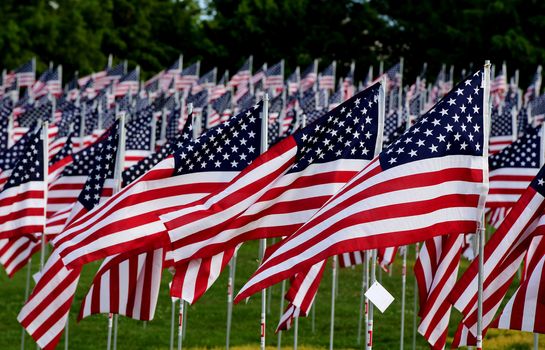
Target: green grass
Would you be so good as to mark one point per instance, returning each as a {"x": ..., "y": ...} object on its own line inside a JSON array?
[{"x": 206, "y": 319}]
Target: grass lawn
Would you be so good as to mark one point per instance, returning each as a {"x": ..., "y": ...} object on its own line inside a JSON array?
[{"x": 207, "y": 318}]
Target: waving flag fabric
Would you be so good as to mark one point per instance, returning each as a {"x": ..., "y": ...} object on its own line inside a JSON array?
[{"x": 431, "y": 181}]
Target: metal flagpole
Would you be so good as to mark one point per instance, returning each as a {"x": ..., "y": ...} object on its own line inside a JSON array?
[
  {"x": 295, "y": 332},
  {"x": 417, "y": 249},
  {"x": 180, "y": 324},
  {"x": 313, "y": 321},
  {"x": 333, "y": 291},
  {"x": 263, "y": 242},
  {"x": 172, "y": 316},
  {"x": 45, "y": 170},
  {"x": 381, "y": 112},
  {"x": 366, "y": 301},
  {"x": 370, "y": 305},
  {"x": 363, "y": 303},
  {"x": 403, "y": 288},
  {"x": 182, "y": 317},
  {"x": 482, "y": 227},
  {"x": 27, "y": 290},
  {"x": 282, "y": 291},
  {"x": 536, "y": 341},
  {"x": 110, "y": 326},
  {"x": 230, "y": 287},
  {"x": 45, "y": 139},
  {"x": 119, "y": 164},
  {"x": 116, "y": 317}
]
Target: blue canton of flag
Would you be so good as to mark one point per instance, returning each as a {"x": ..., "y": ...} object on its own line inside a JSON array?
[
  {"x": 231, "y": 146},
  {"x": 29, "y": 166},
  {"x": 447, "y": 129},
  {"x": 102, "y": 168},
  {"x": 348, "y": 131},
  {"x": 139, "y": 132}
]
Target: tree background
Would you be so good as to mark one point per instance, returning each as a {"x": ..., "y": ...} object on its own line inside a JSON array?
[{"x": 80, "y": 34}]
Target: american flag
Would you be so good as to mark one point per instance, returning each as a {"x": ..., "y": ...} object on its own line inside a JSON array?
[
  {"x": 38, "y": 112},
  {"x": 64, "y": 191},
  {"x": 326, "y": 79},
  {"x": 112, "y": 75},
  {"x": 72, "y": 89},
  {"x": 140, "y": 168},
  {"x": 504, "y": 129},
  {"x": 25, "y": 74},
  {"x": 128, "y": 84},
  {"x": 6, "y": 108},
  {"x": 126, "y": 284},
  {"x": 22, "y": 199},
  {"x": 303, "y": 172},
  {"x": 16, "y": 252},
  {"x": 533, "y": 89},
  {"x": 293, "y": 82},
  {"x": 219, "y": 89},
  {"x": 274, "y": 77},
  {"x": 259, "y": 76},
  {"x": 431, "y": 181},
  {"x": 436, "y": 270},
  {"x": 45, "y": 313},
  {"x": 199, "y": 167},
  {"x": 523, "y": 310},
  {"x": 537, "y": 109},
  {"x": 166, "y": 76},
  {"x": 301, "y": 295},
  {"x": 308, "y": 77},
  {"x": 503, "y": 254},
  {"x": 220, "y": 110},
  {"x": 207, "y": 81},
  {"x": 188, "y": 76},
  {"x": 49, "y": 82},
  {"x": 61, "y": 159},
  {"x": 512, "y": 169},
  {"x": 499, "y": 84},
  {"x": 242, "y": 76},
  {"x": 139, "y": 138}
]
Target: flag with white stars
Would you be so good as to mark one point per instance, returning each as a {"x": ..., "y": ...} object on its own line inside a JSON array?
[
  {"x": 23, "y": 195},
  {"x": 309, "y": 167},
  {"x": 5, "y": 110},
  {"x": 138, "y": 169},
  {"x": 504, "y": 128},
  {"x": 196, "y": 169},
  {"x": 37, "y": 113},
  {"x": 139, "y": 136},
  {"x": 64, "y": 191},
  {"x": 430, "y": 181},
  {"x": 512, "y": 169},
  {"x": 102, "y": 169}
]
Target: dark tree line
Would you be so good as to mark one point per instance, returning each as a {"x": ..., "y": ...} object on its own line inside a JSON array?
[{"x": 81, "y": 33}]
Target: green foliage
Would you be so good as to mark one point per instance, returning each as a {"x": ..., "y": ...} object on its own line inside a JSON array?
[{"x": 80, "y": 34}]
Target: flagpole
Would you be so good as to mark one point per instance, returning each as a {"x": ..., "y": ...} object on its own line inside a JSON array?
[
  {"x": 378, "y": 148},
  {"x": 536, "y": 341},
  {"x": 362, "y": 300},
  {"x": 119, "y": 164},
  {"x": 482, "y": 227},
  {"x": 263, "y": 242},
  {"x": 333, "y": 291},
  {"x": 172, "y": 316},
  {"x": 45, "y": 171},
  {"x": 282, "y": 291},
  {"x": 417, "y": 248},
  {"x": 45, "y": 139},
  {"x": 27, "y": 290},
  {"x": 403, "y": 288},
  {"x": 230, "y": 287},
  {"x": 181, "y": 315},
  {"x": 369, "y": 336},
  {"x": 180, "y": 324},
  {"x": 295, "y": 332}
]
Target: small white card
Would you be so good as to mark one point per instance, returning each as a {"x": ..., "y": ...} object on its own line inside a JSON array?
[{"x": 379, "y": 296}]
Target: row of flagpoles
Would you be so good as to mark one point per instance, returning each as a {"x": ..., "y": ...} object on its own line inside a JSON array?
[{"x": 94, "y": 114}]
